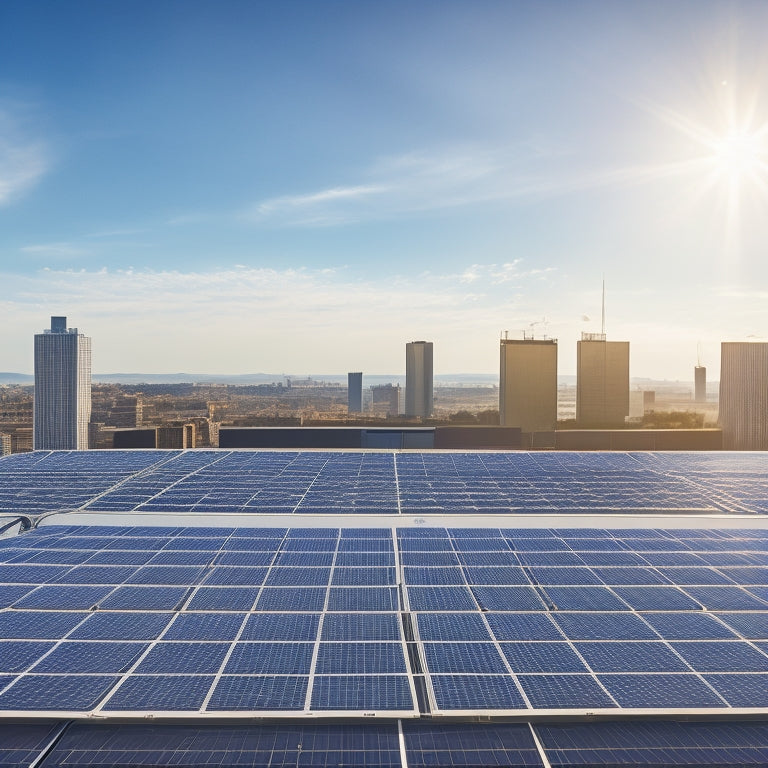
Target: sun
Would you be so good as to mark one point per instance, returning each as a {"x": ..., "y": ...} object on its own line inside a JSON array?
[{"x": 741, "y": 154}]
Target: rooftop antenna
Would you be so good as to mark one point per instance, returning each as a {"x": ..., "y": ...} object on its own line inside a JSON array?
[
  {"x": 698, "y": 355},
  {"x": 602, "y": 326}
]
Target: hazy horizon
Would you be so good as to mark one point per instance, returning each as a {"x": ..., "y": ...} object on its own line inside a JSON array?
[{"x": 300, "y": 185}]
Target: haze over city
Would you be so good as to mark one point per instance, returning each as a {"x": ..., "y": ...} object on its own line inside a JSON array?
[{"x": 303, "y": 187}]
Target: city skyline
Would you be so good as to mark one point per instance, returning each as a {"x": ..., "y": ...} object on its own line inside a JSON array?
[{"x": 447, "y": 171}]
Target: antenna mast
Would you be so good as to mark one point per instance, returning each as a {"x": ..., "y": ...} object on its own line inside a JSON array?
[{"x": 602, "y": 327}]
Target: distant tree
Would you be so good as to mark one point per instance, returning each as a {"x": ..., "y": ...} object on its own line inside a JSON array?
[{"x": 673, "y": 420}]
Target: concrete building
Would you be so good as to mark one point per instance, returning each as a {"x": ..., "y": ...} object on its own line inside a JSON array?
[
  {"x": 744, "y": 395},
  {"x": 385, "y": 400},
  {"x": 418, "y": 379},
  {"x": 528, "y": 384},
  {"x": 355, "y": 392},
  {"x": 602, "y": 381},
  {"x": 700, "y": 384},
  {"x": 62, "y": 406}
]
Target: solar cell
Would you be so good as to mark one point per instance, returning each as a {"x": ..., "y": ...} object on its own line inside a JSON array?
[
  {"x": 22, "y": 744},
  {"x": 661, "y": 691},
  {"x": 689, "y": 626},
  {"x": 542, "y": 657},
  {"x": 57, "y": 598},
  {"x": 729, "y": 656},
  {"x": 362, "y": 599},
  {"x": 463, "y": 745},
  {"x": 523, "y": 626},
  {"x": 361, "y": 693},
  {"x": 258, "y": 693},
  {"x": 473, "y": 692},
  {"x": 19, "y": 655},
  {"x": 38, "y": 625},
  {"x": 631, "y": 657},
  {"x": 360, "y": 658},
  {"x": 564, "y": 692},
  {"x": 360, "y": 626},
  {"x": 604, "y": 626},
  {"x": 95, "y": 657},
  {"x": 145, "y": 599},
  {"x": 159, "y": 692},
  {"x": 183, "y": 657},
  {"x": 251, "y": 658},
  {"x": 276, "y": 626},
  {"x": 79, "y": 693},
  {"x": 223, "y": 599},
  {"x": 119, "y": 626},
  {"x": 741, "y": 690}
]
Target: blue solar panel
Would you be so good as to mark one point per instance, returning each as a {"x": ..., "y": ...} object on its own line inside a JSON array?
[
  {"x": 471, "y": 692},
  {"x": 452, "y": 626},
  {"x": 643, "y": 743},
  {"x": 54, "y": 597},
  {"x": 362, "y": 599},
  {"x": 584, "y": 599},
  {"x": 656, "y": 598},
  {"x": 360, "y": 577},
  {"x": 122, "y": 626},
  {"x": 688, "y": 626},
  {"x": 183, "y": 658},
  {"x": 362, "y": 692},
  {"x": 37, "y": 625},
  {"x": 205, "y": 626},
  {"x": 56, "y": 692},
  {"x": 726, "y": 599},
  {"x": 90, "y": 656},
  {"x": 469, "y": 744},
  {"x": 752, "y": 626},
  {"x": 239, "y": 576},
  {"x": 270, "y": 658},
  {"x": 362, "y": 658},
  {"x": 276, "y": 626},
  {"x": 266, "y": 693},
  {"x": 730, "y": 656},
  {"x": 661, "y": 691},
  {"x": 741, "y": 690},
  {"x": 564, "y": 692},
  {"x": 223, "y": 599},
  {"x": 145, "y": 599},
  {"x": 21, "y": 744},
  {"x": 19, "y": 655},
  {"x": 440, "y": 599},
  {"x": 361, "y": 626},
  {"x": 542, "y": 657},
  {"x": 160, "y": 692},
  {"x": 477, "y": 657},
  {"x": 631, "y": 657},
  {"x": 220, "y": 745},
  {"x": 523, "y": 626},
  {"x": 291, "y": 599},
  {"x": 604, "y": 626}
]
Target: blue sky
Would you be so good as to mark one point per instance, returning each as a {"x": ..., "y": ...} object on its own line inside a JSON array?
[{"x": 303, "y": 187}]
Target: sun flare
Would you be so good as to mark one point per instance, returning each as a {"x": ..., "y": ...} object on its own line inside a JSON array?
[{"x": 741, "y": 153}]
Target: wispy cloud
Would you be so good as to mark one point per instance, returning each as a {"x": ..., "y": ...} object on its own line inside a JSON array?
[
  {"x": 450, "y": 178},
  {"x": 53, "y": 250},
  {"x": 23, "y": 161}
]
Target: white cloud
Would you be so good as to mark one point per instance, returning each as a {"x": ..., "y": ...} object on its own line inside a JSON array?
[{"x": 23, "y": 161}]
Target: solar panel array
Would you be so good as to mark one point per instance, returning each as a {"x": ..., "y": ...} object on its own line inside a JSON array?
[
  {"x": 453, "y": 621},
  {"x": 408, "y": 744},
  {"x": 318, "y": 482},
  {"x": 407, "y": 633}
]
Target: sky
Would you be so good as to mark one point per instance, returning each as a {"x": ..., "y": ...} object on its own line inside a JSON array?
[{"x": 303, "y": 186}]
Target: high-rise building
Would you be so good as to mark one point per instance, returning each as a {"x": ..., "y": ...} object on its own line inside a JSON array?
[
  {"x": 355, "y": 392},
  {"x": 744, "y": 395},
  {"x": 700, "y": 384},
  {"x": 418, "y": 378},
  {"x": 528, "y": 384},
  {"x": 62, "y": 407},
  {"x": 602, "y": 381}
]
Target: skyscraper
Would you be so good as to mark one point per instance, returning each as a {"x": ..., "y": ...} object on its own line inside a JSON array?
[
  {"x": 62, "y": 406},
  {"x": 744, "y": 395},
  {"x": 528, "y": 384},
  {"x": 700, "y": 384},
  {"x": 355, "y": 392},
  {"x": 418, "y": 378},
  {"x": 602, "y": 381}
]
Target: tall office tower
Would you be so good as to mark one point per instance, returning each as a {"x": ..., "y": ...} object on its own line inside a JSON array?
[
  {"x": 528, "y": 384},
  {"x": 62, "y": 406},
  {"x": 602, "y": 381},
  {"x": 700, "y": 384},
  {"x": 744, "y": 395},
  {"x": 418, "y": 378},
  {"x": 355, "y": 392}
]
